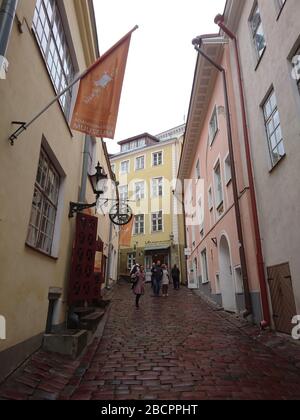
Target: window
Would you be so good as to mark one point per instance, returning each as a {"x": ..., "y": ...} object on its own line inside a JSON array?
[
  {"x": 157, "y": 222},
  {"x": 157, "y": 187},
  {"x": 257, "y": 32},
  {"x": 140, "y": 190},
  {"x": 218, "y": 186},
  {"x": 130, "y": 261},
  {"x": 213, "y": 127},
  {"x": 157, "y": 158},
  {"x": 49, "y": 30},
  {"x": 198, "y": 173},
  {"x": 125, "y": 167},
  {"x": 44, "y": 206},
  {"x": 296, "y": 68},
  {"x": 123, "y": 192},
  {"x": 139, "y": 225},
  {"x": 228, "y": 175},
  {"x": 204, "y": 267},
  {"x": 140, "y": 163},
  {"x": 113, "y": 168},
  {"x": 273, "y": 129},
  {"x": 125, "y": 147}
]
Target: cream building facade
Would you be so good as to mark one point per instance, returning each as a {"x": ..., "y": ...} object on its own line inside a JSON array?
[{"x": 51, "y": 41}]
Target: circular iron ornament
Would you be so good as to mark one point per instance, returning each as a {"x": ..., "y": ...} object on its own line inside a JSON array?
[{"x": 120, "y": 214}]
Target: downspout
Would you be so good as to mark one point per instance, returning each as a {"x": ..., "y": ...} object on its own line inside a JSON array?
[
  {"x": 219, "y": 20},
  {"x": 248, "y": 304},
  {"x": 7, "y": 14},
  {"x": 85, "y": 164}
]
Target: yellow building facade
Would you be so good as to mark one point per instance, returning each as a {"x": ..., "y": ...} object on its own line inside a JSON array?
[
  {"x": 51, "y": 42},
  {"x": 146, "y": 170}
]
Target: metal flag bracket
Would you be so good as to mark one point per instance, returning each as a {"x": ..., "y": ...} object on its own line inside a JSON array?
[{"x": 14, "y": 136}]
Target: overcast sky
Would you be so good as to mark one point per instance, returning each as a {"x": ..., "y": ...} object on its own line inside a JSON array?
[{"x": 161, "y": 62}]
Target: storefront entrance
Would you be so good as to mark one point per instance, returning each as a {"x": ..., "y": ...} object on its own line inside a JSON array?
[{"x": 153, "y": 257}]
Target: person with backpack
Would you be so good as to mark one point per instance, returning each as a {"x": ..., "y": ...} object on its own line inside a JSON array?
[{"x": 157, "y": 278}]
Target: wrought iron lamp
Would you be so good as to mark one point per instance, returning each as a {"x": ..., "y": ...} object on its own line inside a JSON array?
[{"x": 98, "y": 182}]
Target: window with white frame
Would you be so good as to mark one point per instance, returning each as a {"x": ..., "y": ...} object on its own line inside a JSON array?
[
  {"x": 157, "y": 187},
  {"x": 140, "y": 163},
  {"x": 49, "y": 30},
  {"x": 130, "y": 261},
  {"x": 139, "y": 224},
  {"x": 139, "y": 190},
  {"x": 273, "y": 129},
  {"x": 257, "y": 31},
  {"x": 44, "y": 206},
  {"x": 218, "y": 185},
  {"x": 157, "y": 158},
  {"x": 125, "y": 167},
  {"x": 157, "y": 221},
  {"x": 227, "y": 169},
  {"x": 204, "y": 267},
  {"x": 123, "y": 193},
  {"x": 213, "y": 126}
]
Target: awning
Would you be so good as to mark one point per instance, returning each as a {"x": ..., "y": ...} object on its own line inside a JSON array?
[{"x": 157, "y": 247}]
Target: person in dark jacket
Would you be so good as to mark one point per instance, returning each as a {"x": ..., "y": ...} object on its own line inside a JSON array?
[
  {"x": 176, "y": 277},
  {"x": 157, "y": 278}
]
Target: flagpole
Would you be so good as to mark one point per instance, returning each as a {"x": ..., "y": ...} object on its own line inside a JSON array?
[{"x": 23, "y": 126}]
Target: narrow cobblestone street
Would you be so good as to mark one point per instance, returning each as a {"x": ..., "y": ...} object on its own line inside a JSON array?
[{"x": 172, "y": 348}]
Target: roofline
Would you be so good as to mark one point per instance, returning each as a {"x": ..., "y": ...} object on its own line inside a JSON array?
[
  {"x": 138, "y": 137},
  {"x": 203, "y": 37},
  {"x": 140, "y": 151},
  {"x": 171, "y": 129}
]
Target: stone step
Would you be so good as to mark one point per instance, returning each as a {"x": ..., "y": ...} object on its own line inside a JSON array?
[
  {"x": 67, "y": 343},
  {"x": 90, "y": 322}
]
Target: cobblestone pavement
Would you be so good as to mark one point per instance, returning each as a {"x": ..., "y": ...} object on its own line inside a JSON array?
[{"x": 175, "y": 348}]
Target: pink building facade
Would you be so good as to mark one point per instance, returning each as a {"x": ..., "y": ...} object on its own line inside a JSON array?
[{"x": 213, "y": 243}]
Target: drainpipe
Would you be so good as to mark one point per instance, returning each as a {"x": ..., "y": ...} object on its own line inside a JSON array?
[
  {"x": 197, "y": 43},
  {"x": 219, "y": 20},
  {"x": 7, "y": 14},
  {"x": 85, "y": 166}
]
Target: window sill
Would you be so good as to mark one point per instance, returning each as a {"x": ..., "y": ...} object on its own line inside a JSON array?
[
  {"x": 260, "y": 59},
  {"x": 228, "y": 182},
  {"x": 277, "y": 164},
  {"x": 39, "y": 251}
]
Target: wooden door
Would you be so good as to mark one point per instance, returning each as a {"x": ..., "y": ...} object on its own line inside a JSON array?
[
  {"x": 282, "y": 296},
  {"x": 82, "y": 280}
]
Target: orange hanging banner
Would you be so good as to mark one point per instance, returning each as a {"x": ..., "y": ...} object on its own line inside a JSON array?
[
  {"x": 98, "y": 100},
  {"x": 126, "y": 234}
]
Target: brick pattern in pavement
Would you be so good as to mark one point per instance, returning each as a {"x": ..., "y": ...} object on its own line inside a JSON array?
[{"x": 175, "y": 348}]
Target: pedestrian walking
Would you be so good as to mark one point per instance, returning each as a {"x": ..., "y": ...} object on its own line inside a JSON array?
[
  {"x": 152, "y": 275},
  {"x": 165, "y": 281},
  {"x": 176, "y": 277},
  {"x": 157, "y": 277},
  {"x": 139, "y": 285}
]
